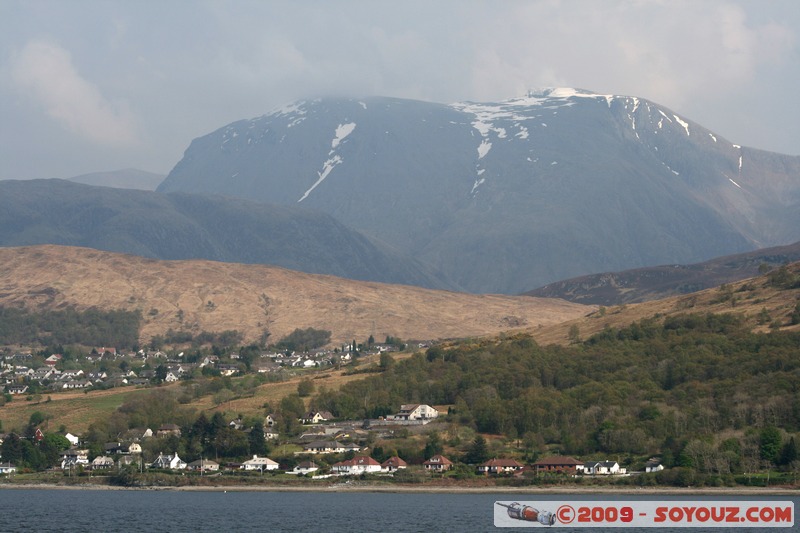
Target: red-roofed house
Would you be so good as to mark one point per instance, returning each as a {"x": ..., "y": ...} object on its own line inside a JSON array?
[
  {"x": 438, "y": 463},
  {"x": 559, "y": 464},
  {"x": 393, "y": 464},
  {"x": 500, "y": 466}
]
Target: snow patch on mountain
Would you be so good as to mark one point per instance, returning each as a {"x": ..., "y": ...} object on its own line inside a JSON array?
[
  {"x": 682, "y": 123},
  {"x": 296, "y": 113},
  {"x": 326, "y": 169},
  {"x": 342, "y": 131},
  {"x": 484, "y": 148}
]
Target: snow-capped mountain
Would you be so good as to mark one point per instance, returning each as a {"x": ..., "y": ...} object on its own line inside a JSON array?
[{"x": 506, "y": 196}]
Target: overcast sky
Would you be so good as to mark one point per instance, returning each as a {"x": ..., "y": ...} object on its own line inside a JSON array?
[{"x": 103, "y": 85}]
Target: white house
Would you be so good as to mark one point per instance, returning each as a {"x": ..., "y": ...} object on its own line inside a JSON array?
[
  {"x": 500, "y": 466},
  {"x": 438, "y": 463},
  {"x": 416, "y": 411},
  {"x": 203, "y": 465},
  {"x": 653, "y": 465},
  {"x": 7, "y": 468},
  {"x": 168, "y": 462},
  {"x": 603, "y": 468},
  {"x": 74, "y": 457},
  {"x": 102, "y": 462},
  {"x": 324, "y": 446},
  {"x": 306, "y": 467},
  {"x": 73, "y": 439},
  {"x": 360, "y": 464},
  {"x": 315, "y": 417},
  {"x": 393, "y": 464},
  {"x": 260, "y": 463}
]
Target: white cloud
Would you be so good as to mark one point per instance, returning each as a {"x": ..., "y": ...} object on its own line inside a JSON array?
[
  {"x": 671, "y": 52},
  {"x": 44, "y": 71}
]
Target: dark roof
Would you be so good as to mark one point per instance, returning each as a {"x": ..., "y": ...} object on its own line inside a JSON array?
[{"x": 558, "y": 460}]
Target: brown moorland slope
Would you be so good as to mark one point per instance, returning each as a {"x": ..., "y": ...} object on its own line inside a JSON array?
[
  {"x": 761, "y": 302},
  {"x": 201, "y": 295}
]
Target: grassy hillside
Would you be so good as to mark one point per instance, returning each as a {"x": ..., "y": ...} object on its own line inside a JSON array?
[
  {"x": 212, "y": 296},
  {"x": 759, "y": 301}
]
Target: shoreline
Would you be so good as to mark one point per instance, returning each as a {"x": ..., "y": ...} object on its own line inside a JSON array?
[{"x": 428, "y": 489}]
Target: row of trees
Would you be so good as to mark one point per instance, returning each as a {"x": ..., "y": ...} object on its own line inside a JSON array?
[{"x": 90, "y": 327}]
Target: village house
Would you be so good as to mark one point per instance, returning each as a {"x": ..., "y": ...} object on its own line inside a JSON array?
[
  {"x": 416, "y": 412},
  {"x": 203, "y": 465},
  {"x": 122, "y": 448},
  {"x": 500, "y": 466},
  {"x": 558, "y": 464},
  {"x": 227, "y": 369},
  {"x": 260, "y": 463},
  {"x": 438, "y": 463},
  {"x": 126, "y": 460},
  {"x": 7, "y": 468},
  {"x": 16, "y": 389},
  {"x": 74, "y": 440},
  {"x": 393, "y": 464},
  {"x": 102, "y": 462},
  {"x": 315, "y": 417},
  {"x": 72, "y": 384},
  {"x": 168, "y": 462},
  {"x": 360, "y": 464},
  {"x": 23, "y": 372},
  {"x": 43, "y": 373},
  {"x": 168, "y": 429},
  {"x": 325, "y": 446},
  {"x": 74, "y": 457},
  {"x": 97, "y": 376},
  {"x": 602, "y": 468},
  {"x": 266, "y": 366},
  {"x": 312, "y": 436},
  {"x": 306, "y": 467},
  {"x": 653, "y": 465}
]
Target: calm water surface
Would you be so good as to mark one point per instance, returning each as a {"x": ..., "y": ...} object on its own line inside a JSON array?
[{"x": 174, "y": 511}]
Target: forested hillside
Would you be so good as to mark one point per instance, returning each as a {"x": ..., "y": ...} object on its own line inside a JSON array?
[{"x": 690, "y": 388}]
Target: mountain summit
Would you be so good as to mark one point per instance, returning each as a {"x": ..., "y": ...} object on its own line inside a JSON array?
[{"x": 507, "y": 196}]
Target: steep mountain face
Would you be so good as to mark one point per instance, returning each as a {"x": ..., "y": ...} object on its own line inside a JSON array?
[
  {"x": 189, "y": 226},
  {"x": 659, "y": 282},
  {"x": 505, "y": 196}
]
